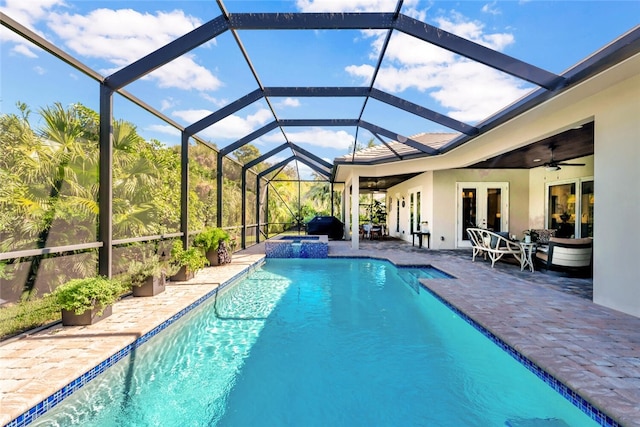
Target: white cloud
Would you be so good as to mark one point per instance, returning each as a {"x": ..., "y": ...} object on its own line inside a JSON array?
[
  {"x": 305, "y": 171},
  {"x": 184, "y": 73},
  {"x": 191, "y": 116},
  {"x": 123, "y": 36},
  {"x": 474, "y": 31},
  {"x": 491, "y": 8},
  {"x": 166, "y": 129},
  {"x": 469, "y": 91},
  {"x": 289, "y": 102},
  {"x": 39, "y": 70},
  {"x": 473, "y": 92},
  {"x": 167, "y": 103},
  {"x": 218, "y": 102},
  {"x": 363, "y": 72},
  {"x": 348, "y": 5},
  {"x": 231, "y": 127},
  {"x": 27, "y": 12},
  {"x": 25, "y": 50},
  {"x": 319, "y": 137}
]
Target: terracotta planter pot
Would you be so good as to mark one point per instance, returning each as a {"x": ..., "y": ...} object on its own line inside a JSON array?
[
  {"x": 89, "y": 317},
  {"x": 182, "y": 275},
  {"x": 152, "y": 286}
]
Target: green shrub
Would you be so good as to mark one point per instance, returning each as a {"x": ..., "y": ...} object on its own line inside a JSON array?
[
  {"x": 210, "y": 238},
  {"x": 80, "y": 295},
  {"x": 149, "y": 266},
  {"x": 191, "y": 258}
]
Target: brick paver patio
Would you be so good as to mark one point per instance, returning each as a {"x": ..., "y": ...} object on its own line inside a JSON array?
[{"x": 548, "y": 318}]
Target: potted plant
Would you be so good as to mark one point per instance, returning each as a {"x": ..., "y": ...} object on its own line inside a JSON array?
[
  {"x": 86, "y": 301},
  {"x": 189, "y": 261},
  {"x": 209, "y": 240},
  {"x": 148, "y": 276},
  {"x": 233, "y": 243}
]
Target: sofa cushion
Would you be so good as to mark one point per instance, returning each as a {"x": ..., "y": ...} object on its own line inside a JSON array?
[
  {"x": 542, "y": 235},
  {"x": 567, "y": 241},
  {"x": 494, "y": 239}
]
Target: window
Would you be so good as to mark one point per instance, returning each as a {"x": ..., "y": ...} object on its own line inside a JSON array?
[{"x": 570, "y": 208}]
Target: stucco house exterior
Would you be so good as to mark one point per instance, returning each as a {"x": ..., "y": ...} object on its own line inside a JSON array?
[{"x": 608, "y": 100}]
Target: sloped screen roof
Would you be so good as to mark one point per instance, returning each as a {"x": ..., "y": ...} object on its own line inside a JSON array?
[{"x": 368, "y": 107}]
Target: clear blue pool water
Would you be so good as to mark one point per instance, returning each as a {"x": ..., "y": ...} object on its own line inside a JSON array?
[
  {"x": 319, "y": 343},
  {"x": 298, "y": 238}
]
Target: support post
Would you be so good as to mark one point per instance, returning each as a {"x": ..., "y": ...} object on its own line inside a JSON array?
[
  {"x": 355, "y": 212},
  {"x": 258, "y": 208},
  {"x": 332, "y": 200},
  {"x": 266, "y": 211},
  {"x": 299, "y": 214},
  {"x": 243, "y": 186},
  {"x": 105, "y": 194},
  {"x": 184, "y": 190},
  {"x": 219, "y": 183}
]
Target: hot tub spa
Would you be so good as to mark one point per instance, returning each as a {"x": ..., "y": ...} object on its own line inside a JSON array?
[{"x": 297, "y": 247}]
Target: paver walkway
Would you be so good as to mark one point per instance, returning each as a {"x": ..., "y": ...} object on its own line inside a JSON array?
[{"x": 548, "y": 318}]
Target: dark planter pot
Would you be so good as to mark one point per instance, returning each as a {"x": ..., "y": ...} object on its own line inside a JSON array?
[
  {"x": 89, "y": 317},
  {"x": 152, "y": 286},
  {"x": 212, "y": 256},
  {"x": 182, "y": 275}
]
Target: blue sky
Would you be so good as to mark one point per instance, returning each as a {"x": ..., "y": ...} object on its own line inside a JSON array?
[{"x": 106, "y": 35}]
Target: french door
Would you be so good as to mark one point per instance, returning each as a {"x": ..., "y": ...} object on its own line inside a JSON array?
[{"x": 481, "y": 204}]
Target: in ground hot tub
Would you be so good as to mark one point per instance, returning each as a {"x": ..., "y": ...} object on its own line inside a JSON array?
[{"x": 297, "y": 247}]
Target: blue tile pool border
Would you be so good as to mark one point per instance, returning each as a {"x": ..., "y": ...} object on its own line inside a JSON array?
[
  {"x": 41, "y": 408},
  {"x": 578, "y": 401},
  {"x": 53, "y": 400}
]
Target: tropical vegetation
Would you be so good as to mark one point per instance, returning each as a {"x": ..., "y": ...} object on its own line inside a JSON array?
[{"x": 49, "y": 171}]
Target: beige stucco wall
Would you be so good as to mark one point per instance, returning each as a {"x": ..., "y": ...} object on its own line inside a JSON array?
[
  {"x": 616, "y": 281},
  {"x": 439, "y": 201}
]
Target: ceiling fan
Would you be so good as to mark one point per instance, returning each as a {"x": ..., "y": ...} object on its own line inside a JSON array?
[{"x": 552, "y": 165}]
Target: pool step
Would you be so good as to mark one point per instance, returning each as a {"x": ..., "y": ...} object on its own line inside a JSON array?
[
  {"x": 411, "y": 279},
  {"x": 536, "y": 422}
]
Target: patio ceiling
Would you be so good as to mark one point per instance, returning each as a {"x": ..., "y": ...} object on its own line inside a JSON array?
[
  {"x": 567, "y": 145},
  {"x": 395, "y": 146}
]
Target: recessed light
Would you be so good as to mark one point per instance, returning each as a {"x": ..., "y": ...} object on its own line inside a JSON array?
[{"x": 537, "y": 160}]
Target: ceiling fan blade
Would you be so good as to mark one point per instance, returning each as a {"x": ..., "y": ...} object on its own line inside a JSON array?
[{"x": 570, "y": 164}]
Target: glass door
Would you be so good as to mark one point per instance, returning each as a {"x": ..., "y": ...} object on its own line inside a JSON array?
[
  {"x": 586, "y": 209},
  {"x": 570, "y": 208},
  {"x": 483, "y": 205}
]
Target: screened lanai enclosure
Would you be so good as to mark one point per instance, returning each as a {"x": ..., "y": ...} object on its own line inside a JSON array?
[{"x": 96, "y": 172}]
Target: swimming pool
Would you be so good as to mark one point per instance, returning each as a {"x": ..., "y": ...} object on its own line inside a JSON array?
[{"x": 318, "y": 342}]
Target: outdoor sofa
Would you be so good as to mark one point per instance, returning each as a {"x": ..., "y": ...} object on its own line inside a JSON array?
[{"x": 494, "y": 245}]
